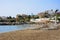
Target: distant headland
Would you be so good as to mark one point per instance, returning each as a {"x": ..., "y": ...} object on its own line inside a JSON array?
[{"x": 23, "y": 18}]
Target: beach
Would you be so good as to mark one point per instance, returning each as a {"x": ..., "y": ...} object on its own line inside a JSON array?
[{"x": 31, "y": 35}]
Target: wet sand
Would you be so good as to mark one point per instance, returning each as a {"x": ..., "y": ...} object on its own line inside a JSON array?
[{"x": 31, "y": 35}]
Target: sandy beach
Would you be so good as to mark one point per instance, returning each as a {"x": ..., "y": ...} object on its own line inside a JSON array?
[{"x": 31, "y": 35}]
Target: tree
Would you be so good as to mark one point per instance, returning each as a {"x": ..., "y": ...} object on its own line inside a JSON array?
[
  {"x": 9, "y": 17},
  {"x": 28, "y": 18},
  {"x": 18, "y": 18},
  {"x": 56, "y": 15}
]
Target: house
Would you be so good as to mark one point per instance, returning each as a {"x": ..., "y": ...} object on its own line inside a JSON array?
[{"x": 41, "y": 20}]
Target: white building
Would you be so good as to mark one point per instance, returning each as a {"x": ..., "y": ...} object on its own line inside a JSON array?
[{"x": 42, "y": 20}]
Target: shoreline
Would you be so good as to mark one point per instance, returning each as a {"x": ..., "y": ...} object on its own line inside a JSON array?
[{"x": 15, "y": 23}]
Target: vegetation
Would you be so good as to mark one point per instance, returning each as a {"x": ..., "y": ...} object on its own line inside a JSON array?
[
  {"x": 8, "y": 19},
  {"x": 26, "y": 18}
]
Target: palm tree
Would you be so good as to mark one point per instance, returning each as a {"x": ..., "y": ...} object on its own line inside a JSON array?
[{"x": 56, "y": 15}]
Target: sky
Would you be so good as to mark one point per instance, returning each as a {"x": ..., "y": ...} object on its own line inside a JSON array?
[{"x": 14, "y": 7}]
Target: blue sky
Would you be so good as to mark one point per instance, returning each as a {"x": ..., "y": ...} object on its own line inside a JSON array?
[{"x": 14, "y": 7}]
